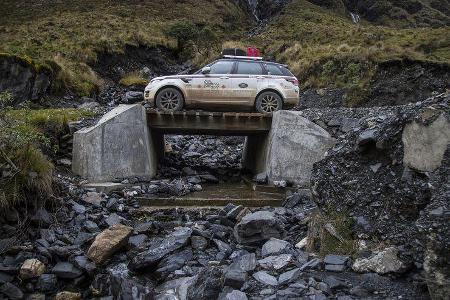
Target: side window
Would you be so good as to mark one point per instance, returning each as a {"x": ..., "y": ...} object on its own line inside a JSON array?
[
  {"x": 249, "y": 68},
  {"x": 222, "y": 67},
  {"x": 274, "y": 70}
]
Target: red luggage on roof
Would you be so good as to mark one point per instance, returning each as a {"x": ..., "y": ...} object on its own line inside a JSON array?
[{"x": 253, "y": 52}]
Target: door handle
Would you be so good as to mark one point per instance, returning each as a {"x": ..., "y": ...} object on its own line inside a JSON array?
[
  {"x": 259, "y": 77},
  {"x": 224, "y": 77}
]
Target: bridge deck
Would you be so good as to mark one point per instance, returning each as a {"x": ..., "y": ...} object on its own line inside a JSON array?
[{"x": 213, "y": 123}]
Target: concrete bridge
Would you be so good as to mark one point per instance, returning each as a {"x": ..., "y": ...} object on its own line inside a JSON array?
[{"x": 129, "y": 141}]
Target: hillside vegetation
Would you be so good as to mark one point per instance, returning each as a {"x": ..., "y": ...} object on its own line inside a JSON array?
[
  {"x": 316, "y": 38},
  {"x": 71, "y": 33},
  {"x": 325, "y": 48}
]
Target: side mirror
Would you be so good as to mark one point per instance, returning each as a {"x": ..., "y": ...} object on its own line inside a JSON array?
[{"x": 206, "y": 70}]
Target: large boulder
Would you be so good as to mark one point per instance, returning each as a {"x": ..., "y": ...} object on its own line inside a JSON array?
[
  {"x": 149, "y": 259},
  {"x": 424, "y": 145},
  {"x": 108, "y": 242},
  {"x": 258, "y": 227},
  {"x": 118, "y": 146},
  {"x": 22, "y": 79}
]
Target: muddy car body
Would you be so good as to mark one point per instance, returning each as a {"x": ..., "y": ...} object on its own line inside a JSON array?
[{"x": 230, "y": 83}]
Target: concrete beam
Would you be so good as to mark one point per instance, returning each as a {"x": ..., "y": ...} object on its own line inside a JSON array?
[
  {"x": 289, "y": 150},
  {"x": 119, "y": 145}
]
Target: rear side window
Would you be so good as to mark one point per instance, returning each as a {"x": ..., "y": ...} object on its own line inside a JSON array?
[
  {"x": 249, "y": 68},
  {"x": 278, "y": 70},
  {"x": 274, "y": 70},
  {"x": 222, "y": 67}
]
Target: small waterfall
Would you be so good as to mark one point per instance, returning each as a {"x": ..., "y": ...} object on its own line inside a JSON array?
[
  {"x": 253, "y": 4},
  {"x": 355, "y": 18}
]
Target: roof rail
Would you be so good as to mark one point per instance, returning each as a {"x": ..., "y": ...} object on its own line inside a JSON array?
[{"x": 243, "y": 57}]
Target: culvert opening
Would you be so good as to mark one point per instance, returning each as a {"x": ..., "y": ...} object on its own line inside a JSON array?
[{"x": 204, "y": 170}]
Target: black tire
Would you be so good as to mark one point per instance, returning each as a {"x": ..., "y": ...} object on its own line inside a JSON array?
[
  {"x": 268, "y": 102},
  {"x": 169, "y": 99}
]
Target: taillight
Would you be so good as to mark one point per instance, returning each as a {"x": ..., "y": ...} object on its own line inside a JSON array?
[{"x": 293, "y": 81}]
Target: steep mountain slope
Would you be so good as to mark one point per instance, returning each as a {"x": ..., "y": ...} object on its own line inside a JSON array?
[
  {"x": 317, "y": 38},
  {"x": 404, "y": 13},
  {"x": 72, "y": 33},
  {"x": 325, "y": 48}
]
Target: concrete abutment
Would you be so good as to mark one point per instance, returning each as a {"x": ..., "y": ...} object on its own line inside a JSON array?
[{"x": 126, "y": 143}]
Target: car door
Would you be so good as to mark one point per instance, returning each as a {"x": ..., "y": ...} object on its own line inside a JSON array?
[
  {"x": 246, "y": 82},
  {"x": 213, "y": 87}
]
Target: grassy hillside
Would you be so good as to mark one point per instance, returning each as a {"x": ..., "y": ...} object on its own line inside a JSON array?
[
  {"x": 325, "y": 48},
  {"x": 319, "y": 41},
  {"x": 396, "y": 13},
  {"x": 71, "y": 33}
]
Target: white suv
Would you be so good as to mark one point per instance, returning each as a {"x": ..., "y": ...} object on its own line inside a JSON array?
[{"x": 234, "y": 82}]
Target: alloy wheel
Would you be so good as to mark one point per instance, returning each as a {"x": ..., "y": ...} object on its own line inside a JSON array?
[
  {"x": 269, "y": 104},
  {"x": 170, "y": 100}
]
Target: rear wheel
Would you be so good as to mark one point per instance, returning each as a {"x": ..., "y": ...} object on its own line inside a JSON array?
[
  {"x": 269, "y": 102},
  {"x": 169, "y": 99}
]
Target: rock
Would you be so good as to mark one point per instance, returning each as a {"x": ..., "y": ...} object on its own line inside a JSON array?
[
  {"x": 258, "y": 227},
  {"x": 89, "y": 105},
  {"x": 264, "y": 278},
  {"x": 222, "y": 246},
  {"x": 302, "y": 244},
  {"x": 93, "y": 198},
  {"x": 333, "y": 259},
  {"x": 134, "y": 97},
  {"x": 207, "y": 284},
  {"x": 334, "y": 282},
  {"x": 383, "y": 262},
  {"x": 147, "y": 227},
  {"x": 177, "y": 288},
  {"x": 246, "y": 262},
  {"x": 234, "y": 212},
  {"x": 64, "y": 162},
  {"x": 289, "y": 276},
  {"x": 125, "y": 286},
  {"x": 11, "y": 291},
  {"x": 173, "y": 262},
  {"x": 149, "y": 259},
  {"x": 66, "y": 270},
  {"x": 68, "y": 296},
  {"x": 234, "y": 276},
  {"x": 199, "y": 243},
  {"x": 92, "y": 227},
  {"x": 276, "y": 262},
  {"x": 274, "y": 246},
  {"x": 108, "y": 242},
  {"x": 22, "y": 80},
  {"x": 232, "y": 295},
  {"x": 137, "y": 241},
  {"x": 84, "y": 263},
  {"x": 113, "y": 219},
  {"x": 47, "y": 283},
  {"x": 424, "y": 145},
  {"x": 335, "y": 268},
  {"x": 42, "y": 218},
  {"x": 78, "y": 208},
  {"x": 31, "y": 268},
  {"x": 102, "y": 152}
]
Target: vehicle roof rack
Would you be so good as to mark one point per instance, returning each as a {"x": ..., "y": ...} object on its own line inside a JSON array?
[{"x": 243, "y": 57}]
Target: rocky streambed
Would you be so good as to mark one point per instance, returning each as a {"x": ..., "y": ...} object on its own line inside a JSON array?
[{"x": 374, "y": 227}]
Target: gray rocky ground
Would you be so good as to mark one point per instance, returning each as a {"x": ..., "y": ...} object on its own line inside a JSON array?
[{"x": 391, "y": 215}]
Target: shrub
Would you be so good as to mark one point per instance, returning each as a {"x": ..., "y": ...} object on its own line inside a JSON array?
[{"x": 27, "y": 137}]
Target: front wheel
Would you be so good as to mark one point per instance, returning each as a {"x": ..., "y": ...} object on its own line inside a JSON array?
[
  {"x": 169, "y": 99},
  {"x": 268, "y": 103}
]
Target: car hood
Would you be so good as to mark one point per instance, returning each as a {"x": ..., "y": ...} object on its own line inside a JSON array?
[{"x": 174, "y": 77}]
